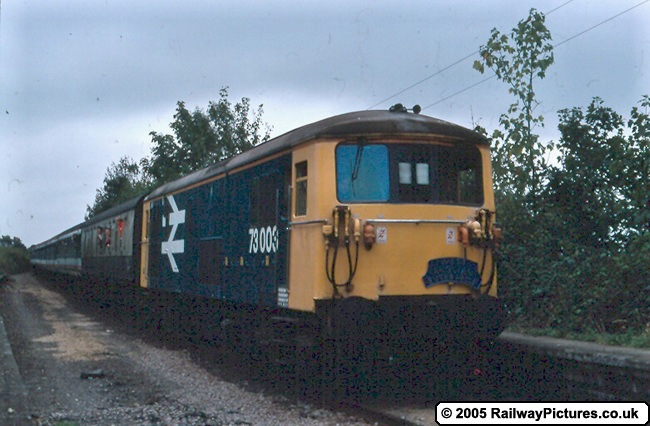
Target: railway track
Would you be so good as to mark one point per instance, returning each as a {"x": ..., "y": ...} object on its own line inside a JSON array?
[{"x": 521, "y": 368}]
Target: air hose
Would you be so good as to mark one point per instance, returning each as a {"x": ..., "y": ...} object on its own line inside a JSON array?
[
  {"x": 488, "y": 241},
  {"x": 332, "y": 239}
]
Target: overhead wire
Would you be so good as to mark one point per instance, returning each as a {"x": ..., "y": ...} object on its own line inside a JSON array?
[
  {"x": 460, "y": 91},
  {"x": 491, "y": 77},
  {"x": 554, "y": 46},
  {"x": 599, "y": 24},
  {"x": 425, "y": 79},
  {"x": 450, "y": 66},
  {"x": 559, "y": 7}
]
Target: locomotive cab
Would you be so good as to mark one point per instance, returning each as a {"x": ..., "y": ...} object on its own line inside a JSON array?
[{"x": 399, "y": 230}]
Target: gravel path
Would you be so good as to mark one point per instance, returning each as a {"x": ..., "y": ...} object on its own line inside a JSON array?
[{"x": 80, "y": 369}]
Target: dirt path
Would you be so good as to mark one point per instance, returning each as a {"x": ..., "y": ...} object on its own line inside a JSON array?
[{"x": 80, "y": 370}]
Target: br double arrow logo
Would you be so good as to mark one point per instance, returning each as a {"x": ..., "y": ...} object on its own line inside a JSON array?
[{"x": 171, "y": 246}]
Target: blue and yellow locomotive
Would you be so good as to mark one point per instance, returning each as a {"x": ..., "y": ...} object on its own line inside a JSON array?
[{"x": 372, "y": 224}]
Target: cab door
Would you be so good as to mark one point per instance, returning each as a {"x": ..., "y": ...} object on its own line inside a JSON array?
[
  {"x": 283, "y": 214},
  {"x": 267, "y": 261},
  {"x": 144, "y": 245}
]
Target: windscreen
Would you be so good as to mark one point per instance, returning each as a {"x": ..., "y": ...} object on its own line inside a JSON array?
[{"x": 409, "y": 173}]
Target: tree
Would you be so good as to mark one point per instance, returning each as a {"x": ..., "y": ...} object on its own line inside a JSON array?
[
  {"x": 599, "y": 194},
  {"x": 7, "y": 241},
  {"x": 582, "y": 263},
  {"x": 202, "y": 137},
  {"x": 637, "y": 167},
  {"x": 14, "y": 257},
  {"x": 517, "y": 59},
  {"x": 588, "y": 188},
  {"x": 123, "y": 181},
  {"x": 574, "y": 255}
]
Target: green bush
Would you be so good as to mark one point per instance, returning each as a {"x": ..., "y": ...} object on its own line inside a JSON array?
[
  {"x": 574, "y": 260},
  {"x": 13, "y": 260}
]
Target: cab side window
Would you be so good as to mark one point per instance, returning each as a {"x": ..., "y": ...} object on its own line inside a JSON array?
[{"x": 301, "y": 188}]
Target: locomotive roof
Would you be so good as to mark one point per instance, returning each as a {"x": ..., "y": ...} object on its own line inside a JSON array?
[{"x": 350, "y": 125}]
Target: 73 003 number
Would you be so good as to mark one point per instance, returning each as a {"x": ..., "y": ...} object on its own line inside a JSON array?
[{"x": 263, "y": 240}]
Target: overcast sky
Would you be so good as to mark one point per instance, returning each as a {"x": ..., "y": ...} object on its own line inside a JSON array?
[{"x": 83, "y": 82}]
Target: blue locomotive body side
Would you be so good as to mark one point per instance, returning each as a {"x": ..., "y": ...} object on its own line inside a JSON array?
[{"x": 225, "y": 239}]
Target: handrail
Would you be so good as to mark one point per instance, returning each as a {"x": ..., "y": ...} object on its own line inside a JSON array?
[
  {"x": 416, "y": 221},
  {"x": 308, "y": 222}
]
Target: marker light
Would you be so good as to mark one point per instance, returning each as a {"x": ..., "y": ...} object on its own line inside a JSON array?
[
  {"x": 463, "y": 235},
  {"x": 496, "y": 234},
  {"x": 369, "y": 236},
  {"x": 357, "y": 229}
]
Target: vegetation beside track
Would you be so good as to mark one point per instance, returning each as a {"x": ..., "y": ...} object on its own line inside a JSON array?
[
  {"x": 14, "y": 258},
  {"x": 575, "y": 212}
]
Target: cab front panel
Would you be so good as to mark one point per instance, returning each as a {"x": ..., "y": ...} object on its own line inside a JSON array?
[{"x": 416, "y": 249}]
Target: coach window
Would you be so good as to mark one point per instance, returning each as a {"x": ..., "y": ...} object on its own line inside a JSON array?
[
  {"x": 76, "y": 239},
  {"x": 301, "y": 189}
]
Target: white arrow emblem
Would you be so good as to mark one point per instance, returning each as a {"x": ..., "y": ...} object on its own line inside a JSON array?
[{"x": 171, "y": 246}]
